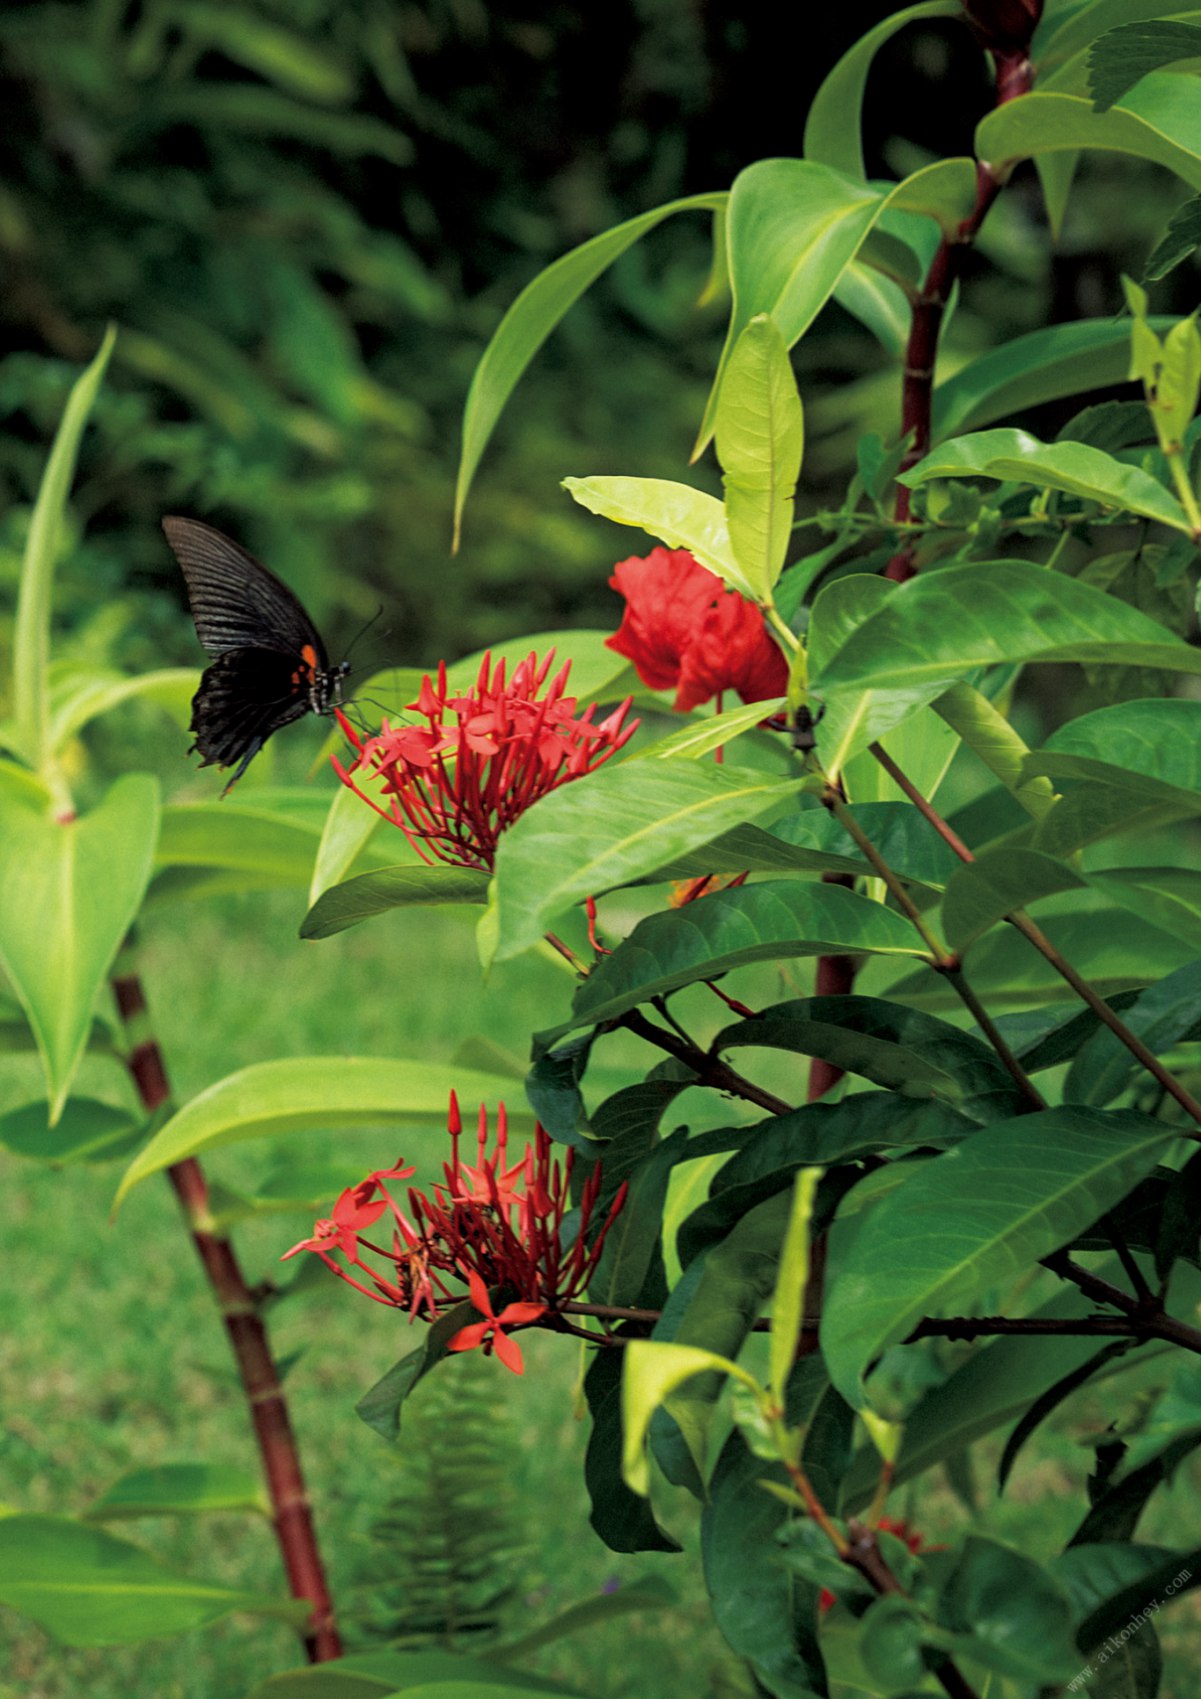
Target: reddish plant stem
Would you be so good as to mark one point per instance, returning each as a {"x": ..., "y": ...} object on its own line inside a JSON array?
[
  {"x": 1014, "y": 76},
  {"x": 248, "y": 1340},
  {"x": 1034, "y": 935}
]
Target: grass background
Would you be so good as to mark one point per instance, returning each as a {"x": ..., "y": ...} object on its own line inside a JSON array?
[{"x": 113, "y": 1356}]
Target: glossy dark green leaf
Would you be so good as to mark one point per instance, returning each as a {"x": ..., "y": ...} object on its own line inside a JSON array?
[
  {"x": 984, "y": 891},
  {"x": 735, "y": 1283},
  {"x": 369, "y": 894},
  {"x": 1050, "y": 1400},
  {"x": 1149, "y": 750},
  {"x": 995, "y": 1385},
  {"x": 1005, "y": 1197},
  {"x": 1177, "y": 1574},
  {"x": 766, "y": 1612},
  {"x": 890, "y": 1643},
  {"x": 552, "y": 1087},
  {"x": 616, "y": 826},
  {"x": 1123, "y": 56},
  {"x": 1041, "y": 365},
  {"x": 634, "y": 1236},
  {"x": 1161, "y": 1015},
  {"x": 622, "y": 1518},
  {"x": 1010, "y": 1612},
  {"x": 776, "y": 919},
  {"x": 941, "y": 625},
  {"x": 825, "y": 1134},
  {"x": 907, "y": 1051},
  {"x": 380, "y": 1406},
  {"x": 1180, "y": 239}
]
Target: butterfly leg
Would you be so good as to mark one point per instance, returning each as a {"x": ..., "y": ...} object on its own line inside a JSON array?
[{"x": 242, "y": 765}]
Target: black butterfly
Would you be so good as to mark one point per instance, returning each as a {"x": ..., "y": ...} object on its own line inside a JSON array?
[{"x": 269, "y": 663}]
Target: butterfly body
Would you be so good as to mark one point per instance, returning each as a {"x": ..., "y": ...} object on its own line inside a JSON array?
[{"x": 269, "y": 664}]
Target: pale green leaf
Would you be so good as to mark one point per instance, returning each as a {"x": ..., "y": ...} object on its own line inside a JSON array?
[
  {"x": 760, "y": 440},
  {"x": 273, "y": 1099},
  {"x": 31, "y": 634},
  {"x": 651, "y": 1373},
  {"x": 678, "y": 515},
  {"x": 791, "y": 1283}
]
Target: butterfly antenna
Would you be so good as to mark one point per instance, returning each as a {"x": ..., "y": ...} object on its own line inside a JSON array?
[{"x": 378, "y": 614}]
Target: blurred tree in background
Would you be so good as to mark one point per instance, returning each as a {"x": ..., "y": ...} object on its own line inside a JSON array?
[{"x": 307, "y": 218}]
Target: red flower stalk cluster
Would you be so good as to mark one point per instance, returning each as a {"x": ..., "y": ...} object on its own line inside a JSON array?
[
  {"x": 886, "y": 1525},
  {"x": 482, "y": 757},
  {"x": 492, "y": 1226},
  {"x": 684, "y": 630}
]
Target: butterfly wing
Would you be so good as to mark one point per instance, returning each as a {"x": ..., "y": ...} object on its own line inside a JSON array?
[
  {"x": 236, "y": 602},
  {"x": 245, "y": 696}
]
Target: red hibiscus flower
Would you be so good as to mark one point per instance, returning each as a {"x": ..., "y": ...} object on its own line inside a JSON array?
[{"x": 683, "y": 628}]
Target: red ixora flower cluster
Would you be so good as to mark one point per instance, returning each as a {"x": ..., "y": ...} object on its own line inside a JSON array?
[
  {"x": 682, "y": 628},
  {"x": 482, "y": 758},
  {"x": 494, "y": 1226}
]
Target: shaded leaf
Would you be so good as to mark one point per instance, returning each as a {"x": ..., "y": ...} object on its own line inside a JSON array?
[{"x": 407, "y": 886}]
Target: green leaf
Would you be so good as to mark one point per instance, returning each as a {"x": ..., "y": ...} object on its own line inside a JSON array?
[
  {"x": 349, "y": 827},
  {"x": 1161, "y": 1016},
  {"x": 1123, "y": 56},
  {"x": 996, "y": 883},
  {"x": 71, "y": 891},
  {"x": 890, "y": 1643},
  {"x": 652, "y": 1373},
  {"x": 1158, "y": 121},
  {"x": 239, "y": 838},
  {"x": 854, "y": 719},
  {"x": 272, "y": 1099},
  {"x": 31, "y": 634},
  {"x": 791, "y": 1283},
  {"x": 760, "y": 440},
  {"x": 380, "y": 1675},
  {"x": 1042, "y": 365},
  {"x": 766, "y": 1613},
  {"x": 990, "y": 737},
  {"x": 1168, "y": 897},
  {"x": 995, "y": 1385},
  {"x": 939, "y": 626},
  {"x": 1148, "y": 750},
  {"x": 380, "y": 1405},
  {"x": 618, "y": 825},
  {"x": 1179, "y": 240},
  {"x": 908, "y": 1052},
  {"x": 1011, "y": 1613},
  {"x": 406, "y": 886},
  {"x": 714, "y": 1309},
  {"x": 634, "y": 1237},
  {"x": 678, "y": 515},
  {"x": 793, "y": 228},
  {"x": 706, "y": 733},
  {"x": 86, "y": 1131},
  {"x": 180, "y": 1489},
  {"x": 1007, "y": 1196},
  {"x": 532, "y": 317},
  {"x": 1050, "y": 1400},
  {"x": 80, "y": 694},
  {"x": 1073, "y": 467},
  {"x": 623, "y": 1519},
  {"x": 88, "y": 1588},
  {"x": 649, "y": 1593},
  {"x": 832, "y": 126},
  {"x": 775, "y": 920}
]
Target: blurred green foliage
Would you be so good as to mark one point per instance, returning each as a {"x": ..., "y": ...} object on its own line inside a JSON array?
[{"x": 307, "y": 217}]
